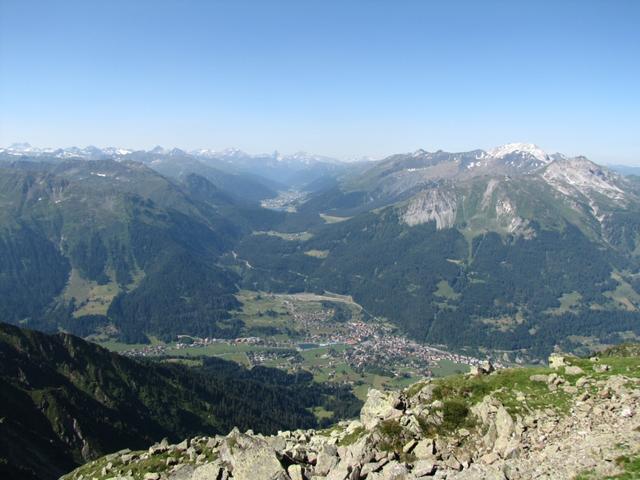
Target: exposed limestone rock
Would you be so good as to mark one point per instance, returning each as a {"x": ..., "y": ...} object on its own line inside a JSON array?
[
  {"x": 248, "y": 458},
  {"x": 392, "y": 471},
  {"x": 573, "y": 370},
  {"x": 556, "y": 361},
  {"x": 425, "y": 449},
  {"x": 205, "y": 472},
  {"x": 432, "y": 205},
  {"x": 485, "y": 368},
  {"x": 295, "y": 472},
  {"x": 505, "y": 427},
  {"x": 327, "y": 459},
  {"x": 380, "y": 406}
]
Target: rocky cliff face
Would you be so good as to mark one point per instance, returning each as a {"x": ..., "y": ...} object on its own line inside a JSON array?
[
  {"x": 432, "y": 205},
  {"x": 580, "y": 418}
]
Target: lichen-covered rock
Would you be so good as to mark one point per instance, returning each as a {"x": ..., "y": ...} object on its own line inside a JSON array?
[
  {"x": 248, "y": 458},
  {"x": 392, "y": 471},
  {"x": 573, "y": 370},
  {"x": 381, "y": 406},
  {"x": 505, "y": 428},
  {"x": 295, "y": 472},
  {"x": 556, "y": 361},
  {"x": 327, "y": 459},
  {"x": 206, "y": 472}
]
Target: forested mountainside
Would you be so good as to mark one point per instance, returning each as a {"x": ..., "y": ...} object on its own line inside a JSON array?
[
  {"x": 514, "y": 249},
  {"x": 83, "y": 244},
  {"x": 511, "y": 249},
  {"x": 64, "y": 401}
]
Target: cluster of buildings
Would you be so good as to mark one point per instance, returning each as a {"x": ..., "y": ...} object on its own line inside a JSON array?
[
  {"x": 368, "y": 345},
  {"x": 147, "y": 351},
  {"x": 373, "y": 346},
  {"x": 187, "y": 341},
  {"x": 284, "y": 201},
  {"x": 288, "y": 357},
  {"x": 312, "y": 323}
]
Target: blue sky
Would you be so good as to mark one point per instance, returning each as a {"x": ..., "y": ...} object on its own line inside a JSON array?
[{"x": 341, "y": 78}]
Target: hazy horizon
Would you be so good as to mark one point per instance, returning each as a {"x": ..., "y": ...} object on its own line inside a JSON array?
[{"x": 344, "y": 80}]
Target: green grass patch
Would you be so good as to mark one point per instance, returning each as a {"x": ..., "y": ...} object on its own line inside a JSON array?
[
  {"x": 317, "y": 253},
  {"x": 333, "y": 219},
  {"x": 630, "y": 466},
  {"x": 352, "y": 437},
  {"x": 446, "y": 368},
  {"x": 290, "y": 237},
  {"x": 392, "y": 436},
  {"x": 503, "y": 385},
  {"x": 455, "y": 414},
  {"x": 444, "y": 290},
  {"x": 568, "y": 302}
]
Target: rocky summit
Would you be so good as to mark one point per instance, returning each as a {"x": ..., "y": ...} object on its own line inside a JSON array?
[{"x": 579, "y": 418}]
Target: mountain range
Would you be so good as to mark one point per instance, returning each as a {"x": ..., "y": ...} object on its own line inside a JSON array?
[
  {"x": 269, "y": 172},
  {"x": 511, "y": 250}
]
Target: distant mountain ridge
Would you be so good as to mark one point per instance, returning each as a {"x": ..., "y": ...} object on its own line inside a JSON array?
[
  {"x": 625, "y": 169},
  {"x": 91, "y": 152},
  {"x": 268, "y": 172}
]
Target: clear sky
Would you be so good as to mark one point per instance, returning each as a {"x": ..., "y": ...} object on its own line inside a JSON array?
[{"x": 341, "y": 78}]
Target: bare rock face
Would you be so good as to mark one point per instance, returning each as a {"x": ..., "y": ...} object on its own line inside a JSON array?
[
  {"x": 556, "y": 361},
  {"x": 248, "y": 458},
  {"x": 432, "y": 205},
  {"x": 381, "y": 406},
  {"x": 505, "y": 428},
  {"x": 392, "y": 471},
  {"x": 485, "y": 368},
  {"x": 327, "y": 460},
  {"x": 205, "y": 472},
  {"x": 573, "y": 370}
]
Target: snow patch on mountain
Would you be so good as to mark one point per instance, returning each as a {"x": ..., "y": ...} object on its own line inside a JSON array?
[{"x": 514, "y": 148}]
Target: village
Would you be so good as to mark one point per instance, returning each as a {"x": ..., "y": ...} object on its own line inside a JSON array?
[{"x": 363, "y": 346}]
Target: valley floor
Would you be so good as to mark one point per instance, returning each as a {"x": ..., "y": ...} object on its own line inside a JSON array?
[{"x": 329, "y": 335}]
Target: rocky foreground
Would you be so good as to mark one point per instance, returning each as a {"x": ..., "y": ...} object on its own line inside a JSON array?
[{"x": 579, "y": 419}]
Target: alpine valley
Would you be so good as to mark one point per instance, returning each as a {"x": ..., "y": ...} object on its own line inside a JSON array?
[
  {"x": 510, "y": 251},
  {"x": 166, "y": 293}
]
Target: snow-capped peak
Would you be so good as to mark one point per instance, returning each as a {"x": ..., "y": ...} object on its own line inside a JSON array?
[
  {"x": 158, "y": 150},
  {"x": 226, "y": 153},
  {"x": 117, "y": 151},
  {"x": 306, "y": 158},
  {"x": 419, "y": 153},
  {"x": 20, "y": 147},
  {"x": 510, "y": 148}
]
